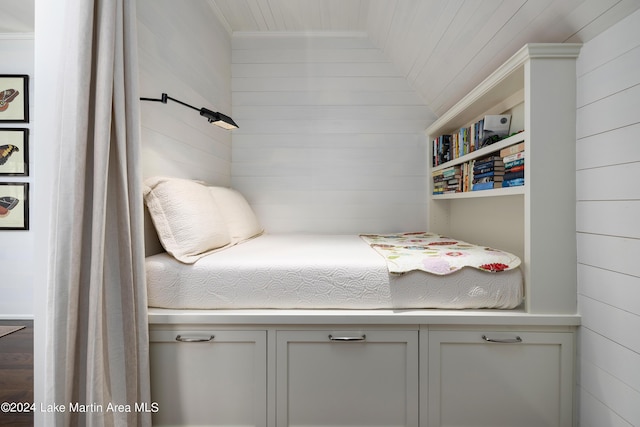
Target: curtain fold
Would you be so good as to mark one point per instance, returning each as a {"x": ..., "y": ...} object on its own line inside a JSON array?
[{"x": 97, "y": 334}]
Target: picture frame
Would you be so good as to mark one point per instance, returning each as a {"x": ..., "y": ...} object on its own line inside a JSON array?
[
  {"x": 14, "y": 151},
  {"x": 14, "y": 206},
  {"x": 14, "y": 98}
]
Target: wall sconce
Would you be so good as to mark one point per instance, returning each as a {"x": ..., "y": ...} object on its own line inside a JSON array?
[{"x": 217, "y": 119}]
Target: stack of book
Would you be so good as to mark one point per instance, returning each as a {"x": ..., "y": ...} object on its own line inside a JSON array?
[
  {"x": 513, "y": 158},
  {"x": 447, "y": 180},
  {"x": 488, "y": 173}
]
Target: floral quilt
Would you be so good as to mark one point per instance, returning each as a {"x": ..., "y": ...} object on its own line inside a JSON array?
[{"x": 437, "y": 254}]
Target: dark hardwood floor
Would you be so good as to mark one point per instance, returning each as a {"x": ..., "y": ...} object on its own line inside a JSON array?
[{"x": 16, "y": 373}]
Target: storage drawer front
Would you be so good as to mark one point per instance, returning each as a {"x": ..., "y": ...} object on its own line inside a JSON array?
[
  {"x": 503, "y": 379},
  {"x": 217, "y": 382},
  {"x": 363, "y": 378}
]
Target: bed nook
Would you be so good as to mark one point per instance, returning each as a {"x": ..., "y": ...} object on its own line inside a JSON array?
[
  {"x": 217, "y": 257},
  {"x": 471, "y": 322}
]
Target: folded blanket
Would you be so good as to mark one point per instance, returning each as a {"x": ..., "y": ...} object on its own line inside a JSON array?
[{"x": 437, "y": 254}]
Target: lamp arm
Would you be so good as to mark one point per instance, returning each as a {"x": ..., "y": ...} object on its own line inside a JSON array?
[
  {"x": 180, "y": 102},
  {"x": 164, "y": 98},
  {"x": 218, "y": 119}
]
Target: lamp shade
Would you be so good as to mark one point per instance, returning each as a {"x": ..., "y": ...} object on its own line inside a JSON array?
[{"x": 219, "y": 119}]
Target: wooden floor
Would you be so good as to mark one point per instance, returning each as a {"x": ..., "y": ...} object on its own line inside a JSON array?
[{"x": 16, "y": 373}]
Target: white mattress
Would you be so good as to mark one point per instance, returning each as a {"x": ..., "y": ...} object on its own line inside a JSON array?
[{"x": 318, "y": 272}]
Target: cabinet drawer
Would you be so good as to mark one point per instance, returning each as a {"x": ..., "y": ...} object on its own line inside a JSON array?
[
  {"x": 215, "y": 378},
  {"x": 339, "y": 378},
  {"x": 497, "y": 378}
]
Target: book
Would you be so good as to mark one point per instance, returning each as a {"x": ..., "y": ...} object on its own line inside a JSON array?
[
  {"x": 487, "y": 174},
  {"x": 516, "y": 168},
  {"x": 513, "y": 182},
  {"x": 489, "y": 161},
  {"x": 512, "y": 149},
  {"x": 512, "y": 157},
  {"x": 514, "y": 163},
  {"x": 486, "y": 186},
  {"x": 441, "y": 150},
  {"x": 513, "y": 175},
  {"x": 496, "y": 178},
  {"x": 489, "y": 169}
]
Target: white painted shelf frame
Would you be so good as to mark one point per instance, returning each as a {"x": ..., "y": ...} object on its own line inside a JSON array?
[{"x": 536, "y": 221}]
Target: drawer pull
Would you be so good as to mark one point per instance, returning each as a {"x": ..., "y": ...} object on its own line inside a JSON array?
[
  {"x": 194, "y": 339},
  {"x": 503, "y": 341},
  {"x": 363, "y": 337}
]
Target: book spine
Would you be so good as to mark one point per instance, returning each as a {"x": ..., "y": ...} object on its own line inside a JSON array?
[
  {"x": 512, "y": 149},
  {"x": 513, "y": 175},
  {"x": 513, "y": 182}
]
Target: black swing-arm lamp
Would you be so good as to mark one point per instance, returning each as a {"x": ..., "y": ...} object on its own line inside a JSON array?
[{"x": 217, "y": 119}]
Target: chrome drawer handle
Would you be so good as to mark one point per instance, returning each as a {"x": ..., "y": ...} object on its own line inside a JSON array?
[
  {"x": 194, "y": 339},
  {"x": 503, "y": 341},
  {"x": 363, "y": 337}
]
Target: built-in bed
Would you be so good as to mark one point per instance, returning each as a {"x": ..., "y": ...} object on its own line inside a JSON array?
[
  {"x": 248, "y": 328},
  {"x": 218, "y": 258}
]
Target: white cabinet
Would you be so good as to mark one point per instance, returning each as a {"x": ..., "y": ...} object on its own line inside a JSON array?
[
  {"x": 497, "y": 378},
  {"x": 367, "y": 368},
  {"x": 209, "y": 377},
  {"x": 347, "y": 378}
]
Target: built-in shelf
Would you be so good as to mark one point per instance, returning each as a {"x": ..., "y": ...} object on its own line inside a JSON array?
[{"x": 537, "y": 87}]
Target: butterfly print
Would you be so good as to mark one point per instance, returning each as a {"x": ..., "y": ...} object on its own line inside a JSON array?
[
  {"x": 6, "y": 96},
  {"x": 6, "y": 151},
  {"x": 6, "y": 204}
]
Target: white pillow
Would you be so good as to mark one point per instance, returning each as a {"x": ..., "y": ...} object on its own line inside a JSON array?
[
  {"x": 188, "y": 221},
  {"x": 241, "y": 220}
]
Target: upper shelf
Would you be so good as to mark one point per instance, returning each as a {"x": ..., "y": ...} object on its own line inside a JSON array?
[
  {"x": 502, "y": 85},
  {"x": 513, "y": 139}
]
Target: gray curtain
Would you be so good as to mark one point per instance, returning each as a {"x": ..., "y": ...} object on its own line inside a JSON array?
[{"x": 97, "y": 336}]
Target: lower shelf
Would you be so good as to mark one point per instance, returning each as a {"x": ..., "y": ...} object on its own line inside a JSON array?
[{"x": 509, "y": 191}]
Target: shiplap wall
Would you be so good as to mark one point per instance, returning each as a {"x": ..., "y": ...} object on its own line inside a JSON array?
[
  {"x": 331, "y": 136},
  {"x": 17, "y": 252},
  {"x": 608, "y": 238},
  {"x": 186, "y": 53}
]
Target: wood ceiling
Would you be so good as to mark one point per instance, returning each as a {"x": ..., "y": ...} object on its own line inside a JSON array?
[{"x": 443, "y": 47}]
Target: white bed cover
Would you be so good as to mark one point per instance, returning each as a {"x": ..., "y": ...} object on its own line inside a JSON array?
[{"x": 301, "y": 271}]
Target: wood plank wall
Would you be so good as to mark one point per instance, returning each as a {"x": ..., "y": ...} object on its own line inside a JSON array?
[
  {"x": 608, "y": 230},
  {"x": 186, "y": 53},
  {"x": 331, "y": 135}
]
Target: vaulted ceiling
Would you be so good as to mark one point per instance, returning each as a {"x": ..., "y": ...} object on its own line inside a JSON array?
[{"x": 442, "y": 47}]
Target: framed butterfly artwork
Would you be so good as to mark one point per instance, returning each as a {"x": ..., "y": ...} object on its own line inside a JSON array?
[
  {"x": 14, "y": 205},
  {"x": 14, "y": 152},
  {"x": 14, "y": 98}
]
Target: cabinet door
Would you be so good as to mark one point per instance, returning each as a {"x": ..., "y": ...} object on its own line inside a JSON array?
[
  {"x": 347, "y": 378},
  {"x": 213, "y": 378},
  {"x": 499, "y": 379}
]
